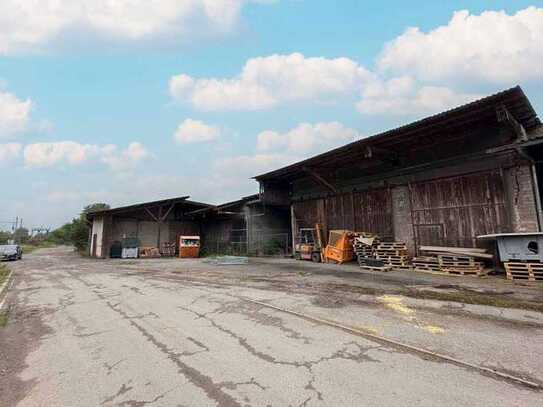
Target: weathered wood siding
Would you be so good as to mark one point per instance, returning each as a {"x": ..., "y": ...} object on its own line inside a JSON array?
[
  {"x": 453, "y": 211},
  {"x": 373, "y": 212},
  {"x": 368, "y": 211}
]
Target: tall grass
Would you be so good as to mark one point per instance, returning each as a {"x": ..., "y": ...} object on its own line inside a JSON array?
[{"x": 4, "y": 273}]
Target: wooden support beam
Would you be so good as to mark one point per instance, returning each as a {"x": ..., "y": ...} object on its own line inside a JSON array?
[
  {"x": 151, "y": 214},
  {"x": 379, "y": 153},
  {"x": 504, "y": 116},
  {"x": 159, "y": 224},
  {"x": 163, "y": 218},
  {"x": 320, "y": 179}
]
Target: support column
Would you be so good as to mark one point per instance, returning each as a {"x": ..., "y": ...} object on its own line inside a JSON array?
[
  {"x": 294, "y": 227},
  {"x": 107, "y": 232},
  {"x": 402, "y": 224},
  {"x": 521, "y": 199}
]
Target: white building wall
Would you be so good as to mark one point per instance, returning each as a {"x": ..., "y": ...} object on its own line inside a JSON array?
[{"x": 98, "y": 235}]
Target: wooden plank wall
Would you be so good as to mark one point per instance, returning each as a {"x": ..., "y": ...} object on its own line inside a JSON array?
[
  {"x": 453, "y": 211},
  {"x": 368, "y": 211},
  {"x": 448, "y": 211}
]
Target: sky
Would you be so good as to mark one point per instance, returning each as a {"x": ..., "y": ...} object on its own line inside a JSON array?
[{"x": 126, "y": 101}]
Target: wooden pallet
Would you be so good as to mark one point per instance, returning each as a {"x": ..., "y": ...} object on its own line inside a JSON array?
[
  {"x": 372, "y": 268},
  {"x": 524, "y": 271},
  {"x": 363, "y": 251},
  {"x": 149, "y": 252},
  {"x": 426, "y": 263},
  {"x": 456, "y": 260},
  {"x": 395, "y": 260},
  {"x": 391, "y": 252},
  {"x": 391, "y": 246}
]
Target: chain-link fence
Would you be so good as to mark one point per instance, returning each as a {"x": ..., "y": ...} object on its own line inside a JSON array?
[
  {"x": 270, "y": 244},
  {"x": 261, "y": 244}
]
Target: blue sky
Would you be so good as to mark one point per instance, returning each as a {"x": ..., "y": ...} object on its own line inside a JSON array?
[{"x": 128, "y": 104}]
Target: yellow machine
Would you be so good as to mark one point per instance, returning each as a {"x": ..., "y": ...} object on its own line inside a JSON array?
[
  {"x": 309, "y": 244},
  {"x": 340, "y": 246},
  {"x": 307, "y": 247}
]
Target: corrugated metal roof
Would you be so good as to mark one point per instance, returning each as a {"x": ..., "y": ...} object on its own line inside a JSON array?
[
  {"x": 513, "y": 99},
  {"x": 218, "y": 208},
  {"x": 184, "y": 200}
]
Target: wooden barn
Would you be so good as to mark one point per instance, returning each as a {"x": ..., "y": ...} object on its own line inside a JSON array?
[{"x": 443, "y": 180}]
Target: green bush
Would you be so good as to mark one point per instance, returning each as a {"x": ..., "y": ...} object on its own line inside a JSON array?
[{"x": 76, "y": 233}]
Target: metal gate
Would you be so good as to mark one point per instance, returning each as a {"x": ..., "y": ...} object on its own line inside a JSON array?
[{"x": 453, "y": 211}]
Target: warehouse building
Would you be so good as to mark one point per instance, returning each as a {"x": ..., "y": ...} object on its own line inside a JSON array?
[
  {"x": 243, "y": 227},
  {"x": 152, "y": 223},
  {"x": 443, "y": 180}
]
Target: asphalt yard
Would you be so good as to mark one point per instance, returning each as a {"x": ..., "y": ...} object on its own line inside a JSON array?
[{"x": 171, "y": 332}]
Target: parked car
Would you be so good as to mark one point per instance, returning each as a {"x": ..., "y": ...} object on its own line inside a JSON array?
[{"x": 11, "y": 252}]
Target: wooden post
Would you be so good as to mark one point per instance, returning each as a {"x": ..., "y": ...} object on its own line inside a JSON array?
[
  {"x": 159, "y": 223},
  {"x": 294, "y": 227}
]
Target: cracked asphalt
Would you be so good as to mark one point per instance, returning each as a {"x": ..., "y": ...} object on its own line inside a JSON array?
[{"x": 85, "y": 332}]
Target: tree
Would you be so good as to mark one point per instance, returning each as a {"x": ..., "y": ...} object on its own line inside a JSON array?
[
  {"x": 95, "y": 207},
  {"x": 4, "y": 237},
  {"x": 76, "y": 233}
]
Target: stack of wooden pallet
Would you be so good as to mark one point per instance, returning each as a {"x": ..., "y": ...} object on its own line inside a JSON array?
[
  {"x": 462, "y": 265},
  {"x": 149, "y": 251},
  {"x": 530, "y": 271},
  {"x": 364, "y": 244},
  {"x": 427, "y": 264},
  {"x": 167, "y": 249},
  {"x": 394, "y": 254},
  {"x": 452, "y": 260}
]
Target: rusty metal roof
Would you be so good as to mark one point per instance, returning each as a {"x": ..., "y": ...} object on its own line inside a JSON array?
[
  {"x": 513, "y": 99},
  {"x": 219, "y": 208}
]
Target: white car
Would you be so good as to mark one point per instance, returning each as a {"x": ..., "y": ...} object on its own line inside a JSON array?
[{"x": 11, "y": 252}]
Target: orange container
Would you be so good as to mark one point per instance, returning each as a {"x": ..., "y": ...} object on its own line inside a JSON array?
[{"x": 189, "y": 247}]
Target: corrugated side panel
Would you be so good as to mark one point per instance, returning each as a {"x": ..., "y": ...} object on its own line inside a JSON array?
[{"x": 453, "y": 211}]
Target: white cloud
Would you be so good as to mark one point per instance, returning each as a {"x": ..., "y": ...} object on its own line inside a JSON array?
[
  {"x": 14, "y": 114},
  {"x": 30, "y": 24},
  {"x": 404, "y": 96},
  {"x": 243, "y": 167},
  {"x": 195, "y": 131},
  {"x": 276, "y": 150},
  {"x": 39, "y": 155},
  {"x": 9, "y": 152},
  {"x": 307, "y": 138},
  {"x": 265, "y": 82},
  {"x": 490, "y": 47},
  {"x": 231, "y": 176},
  {"x": 49, "y": 154},
  {"x": 126, "y": 159}
]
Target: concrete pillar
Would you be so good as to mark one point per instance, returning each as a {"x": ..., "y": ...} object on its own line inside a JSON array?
[
  {"x": 107, "y": 236},
  {"x": 521, "y": 198},
  {"x": 401, "y": 217}
]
